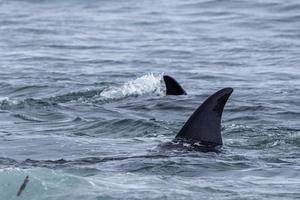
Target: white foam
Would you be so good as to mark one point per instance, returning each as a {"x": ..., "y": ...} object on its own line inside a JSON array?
[
  {"x": 147, "y": 84},
  {"x": 8, "y": 101}
]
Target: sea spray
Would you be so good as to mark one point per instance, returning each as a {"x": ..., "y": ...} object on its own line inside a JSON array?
[{"x": 146, "y": 84}]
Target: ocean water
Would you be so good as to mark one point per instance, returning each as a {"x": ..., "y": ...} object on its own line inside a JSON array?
[{"x": 83, "y": 110}]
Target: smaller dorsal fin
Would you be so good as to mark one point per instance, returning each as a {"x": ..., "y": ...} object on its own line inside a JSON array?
[
  {"x": 204, "y": 126},
  {"x": 172, "y": 86}
]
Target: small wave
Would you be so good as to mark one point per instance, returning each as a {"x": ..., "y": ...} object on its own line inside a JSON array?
[
  {"x": 233, "y": 129},
  {"x": 7, "y": 161},
  {"x": 147, "y": 84},
  {"x": 123, "y": 128},
  {"x": 6, "y": 103},
  {"x": 27, "y": 118},
  {"x": 76, "y": 96}
]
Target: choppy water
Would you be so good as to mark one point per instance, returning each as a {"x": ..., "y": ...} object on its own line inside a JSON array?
[{"x": 83, "y": 110}]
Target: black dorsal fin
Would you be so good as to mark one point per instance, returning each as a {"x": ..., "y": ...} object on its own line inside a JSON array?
[
  {"x": 204, "y": 126},
  {"x": 172, "y": 86}
]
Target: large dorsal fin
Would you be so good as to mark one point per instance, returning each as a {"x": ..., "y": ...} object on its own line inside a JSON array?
[
  {"x": 204, "y": 126},
  {"x": 172, "y": 86}
]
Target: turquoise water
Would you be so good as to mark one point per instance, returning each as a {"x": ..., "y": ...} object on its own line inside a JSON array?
[{"x": 83, "y": 110}]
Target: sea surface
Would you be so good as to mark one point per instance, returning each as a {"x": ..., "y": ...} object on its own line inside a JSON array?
[{"x": 83, "y": 110}]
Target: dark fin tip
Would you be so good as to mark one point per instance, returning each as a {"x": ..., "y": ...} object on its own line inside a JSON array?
[{"x": 172, "y": 86}]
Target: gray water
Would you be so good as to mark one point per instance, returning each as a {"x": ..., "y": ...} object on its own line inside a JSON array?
[{"x": 83, "y": 111}]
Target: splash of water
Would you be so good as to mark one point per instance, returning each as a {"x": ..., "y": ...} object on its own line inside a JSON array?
[
  {"x": 146, "y": 84},
  {"x": 6, "y": 102}
]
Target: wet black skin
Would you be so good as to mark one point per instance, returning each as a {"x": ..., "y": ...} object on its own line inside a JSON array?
[{"x": 172, "y": 86}]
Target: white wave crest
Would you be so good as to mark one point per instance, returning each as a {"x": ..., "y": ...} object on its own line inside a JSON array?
[{"x": 147, "y": 84}]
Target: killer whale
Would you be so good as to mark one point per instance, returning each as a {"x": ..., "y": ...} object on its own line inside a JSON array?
[
  {"x": 172, "y": 86},
  {"x": 202, "y": 131}
]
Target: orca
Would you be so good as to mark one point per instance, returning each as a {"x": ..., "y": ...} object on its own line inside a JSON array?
[
  {"x": 172, "y": 86},
  {"x": 202, "y": 131}
]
